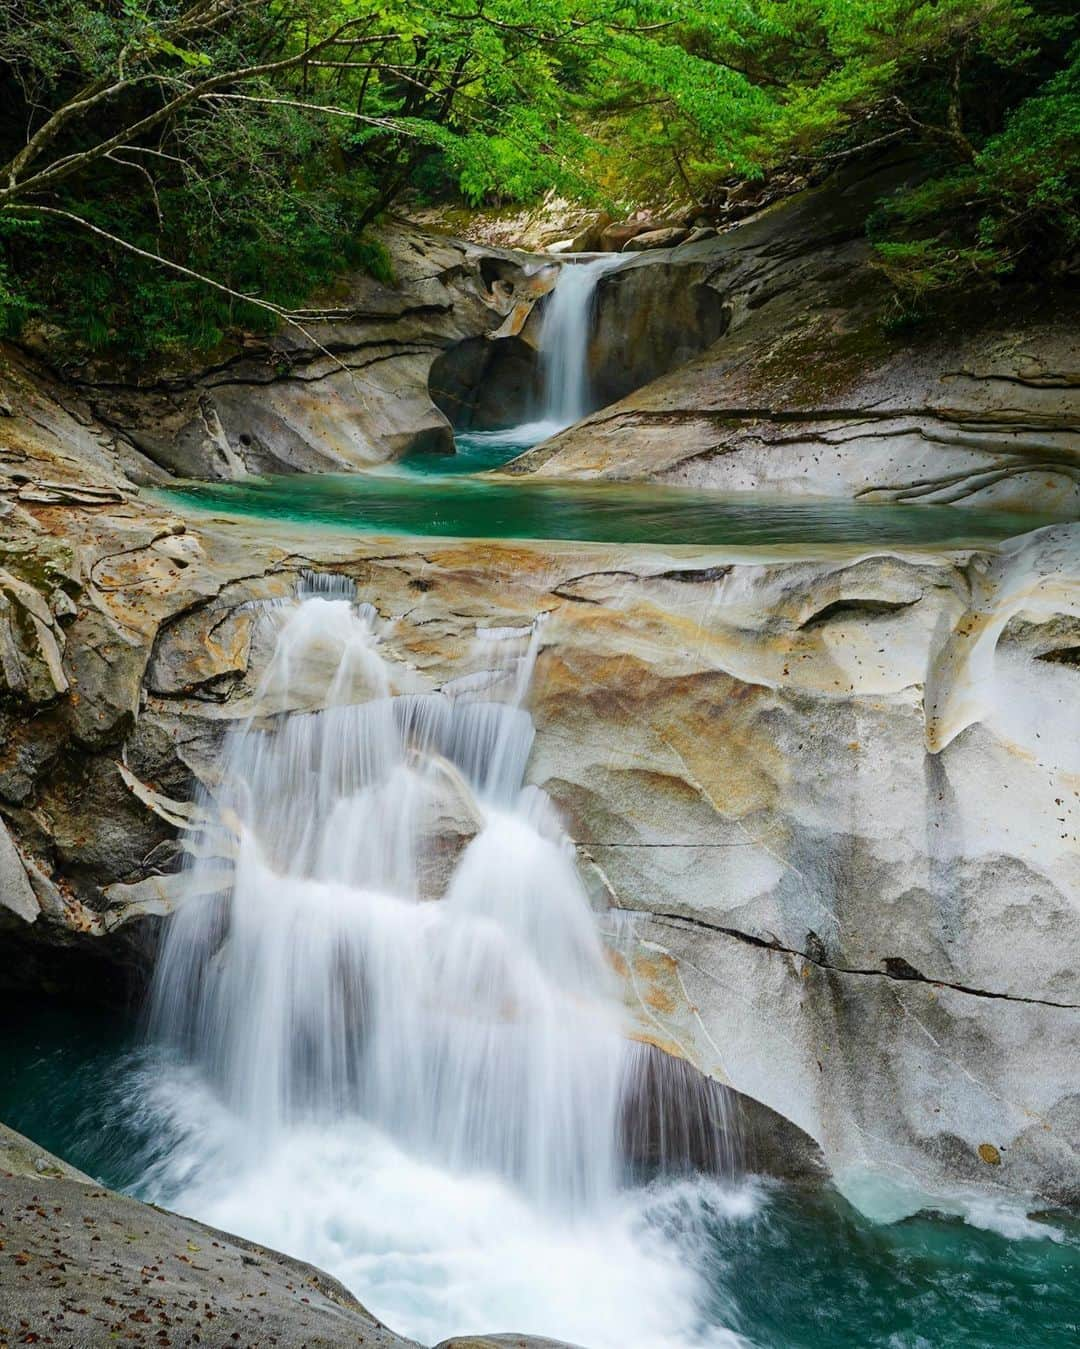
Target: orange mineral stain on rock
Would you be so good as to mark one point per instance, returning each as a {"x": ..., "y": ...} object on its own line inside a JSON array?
[
  {"x": 618, "y": 964},
  {"x": 655, "y": 967},
  {"x": 659, "y": 1000}
]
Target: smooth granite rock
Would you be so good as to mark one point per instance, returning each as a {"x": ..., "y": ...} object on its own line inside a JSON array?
[
  {"x": 825, "y": 799},
  {"x": 83, "y": 1267},
  {"x": 804, "y": 390}
]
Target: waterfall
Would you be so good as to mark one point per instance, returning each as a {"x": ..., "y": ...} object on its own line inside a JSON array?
[
  {"x": 564, "y": 340},
  {"x": 400, "y": 1021}
]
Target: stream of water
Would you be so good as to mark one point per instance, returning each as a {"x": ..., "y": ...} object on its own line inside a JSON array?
[
  {"x": 385, "y": 1031},
  {"x": 449, "y": 495}
]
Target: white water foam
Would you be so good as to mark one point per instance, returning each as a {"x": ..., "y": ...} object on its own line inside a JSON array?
[
  {"x": 564, "y": 341},
  {"x": 408, "y": 1057}
]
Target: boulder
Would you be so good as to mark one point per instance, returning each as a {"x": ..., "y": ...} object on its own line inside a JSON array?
[
  {"x": 613, "y": 238},
  {"x": 588, "y": 238},
  {"x": 76, "y": 1267},
  {"x": 667, "y": 237},
  {"x": 451, "y": 819}
]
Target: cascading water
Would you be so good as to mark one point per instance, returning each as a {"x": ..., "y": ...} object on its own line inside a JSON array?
[
  {"x": 565, "y": 394},
  {"x": 564, "y": 340},
  {"x": 407, "y": 1059}
]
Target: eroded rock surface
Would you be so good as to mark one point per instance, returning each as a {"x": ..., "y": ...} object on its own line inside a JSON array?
[
  {"x": 804, "y": 392},
  {"x": 829, "y": 799},
  {"x": 336, "y": 393}
]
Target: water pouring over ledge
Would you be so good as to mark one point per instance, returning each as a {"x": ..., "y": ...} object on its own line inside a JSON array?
[
  {"x": 564, "y": 392},
  {"x": 566, "y": 395},
  {"x": 407, "y": 1059}
]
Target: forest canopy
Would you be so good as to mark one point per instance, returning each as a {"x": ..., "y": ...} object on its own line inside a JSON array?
[{"x": 172, "y": 171}]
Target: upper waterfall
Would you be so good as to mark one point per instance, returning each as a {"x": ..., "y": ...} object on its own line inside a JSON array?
[{"x": 564, "y": 340}]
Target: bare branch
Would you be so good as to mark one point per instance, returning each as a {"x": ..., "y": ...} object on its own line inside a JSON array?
[
  {"x": 65, "y": 168},
  {"x": 291, "y": 317},
  {"x": 384, "y": 122},
  {"x": 115, "y": 158}
]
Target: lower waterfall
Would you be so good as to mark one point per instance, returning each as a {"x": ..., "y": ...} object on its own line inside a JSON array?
[{"x": 406, "y": 1058}]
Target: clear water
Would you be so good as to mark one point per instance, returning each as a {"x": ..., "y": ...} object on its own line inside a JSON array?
[
  {"x": 483, "y": 451},
  {"x": 602, "y": 512},
  {"x": 780, "y": 1267}
]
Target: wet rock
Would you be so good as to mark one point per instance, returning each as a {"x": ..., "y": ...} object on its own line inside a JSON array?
[
  {"x": 93, "y": 1267},
  {"x": 450, "y": 820},
  {"x": 481, "y": 385},
  {"x": 649, "y": 320}
]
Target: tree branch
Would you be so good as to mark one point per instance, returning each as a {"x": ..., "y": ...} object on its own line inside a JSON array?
[
  {"x": 386, "y": 123},
  {"x": 72, "y": 163},
  {"x": 291, "y": 317}
]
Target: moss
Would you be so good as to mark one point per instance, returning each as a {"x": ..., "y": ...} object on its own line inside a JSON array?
[
  {"x": 818, "y": 362},
  {"x": 46, "y": 566}
]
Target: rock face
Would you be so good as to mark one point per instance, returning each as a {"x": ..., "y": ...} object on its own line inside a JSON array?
[
  {"x": 803, "y": 391},
  {"x": 85, "y": 1267},
  {"x": 647, "y": 321},
  {"x": 836, "y": 795},
  {"x": 830, "y": 796},
  {"x": 342, "y": 393}
]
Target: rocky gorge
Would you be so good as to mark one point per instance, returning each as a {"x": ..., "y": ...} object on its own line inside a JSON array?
[{"x": 824, "y": 798}]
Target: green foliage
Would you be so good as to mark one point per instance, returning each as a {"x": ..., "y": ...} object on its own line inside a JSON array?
[
  {"x": 291, "y": 127},
  {"x": 1014, "y": 210}
]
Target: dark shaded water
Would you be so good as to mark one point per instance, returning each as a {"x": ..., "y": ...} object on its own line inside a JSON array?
[{"x": 789, "y": 1270}]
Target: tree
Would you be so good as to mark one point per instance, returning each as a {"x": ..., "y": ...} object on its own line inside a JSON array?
[{"x": 173, "y": 170}]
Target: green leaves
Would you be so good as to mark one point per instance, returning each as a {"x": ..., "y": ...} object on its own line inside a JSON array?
[
  {"x": 192, "y": 59},
  {"x": 271, "y": 182}
]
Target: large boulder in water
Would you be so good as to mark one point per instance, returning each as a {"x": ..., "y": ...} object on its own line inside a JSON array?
[{"x": 448, "y": 820}]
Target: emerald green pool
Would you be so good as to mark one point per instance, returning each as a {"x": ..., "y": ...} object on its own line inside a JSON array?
[
  {"x": 466, "y": 506},
  {"x": 800, "y": 1270}
]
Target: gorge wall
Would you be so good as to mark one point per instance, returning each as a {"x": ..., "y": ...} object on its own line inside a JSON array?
[
  {"x": 829, "y": 799},
  {"x": 804, "y": 391}
]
